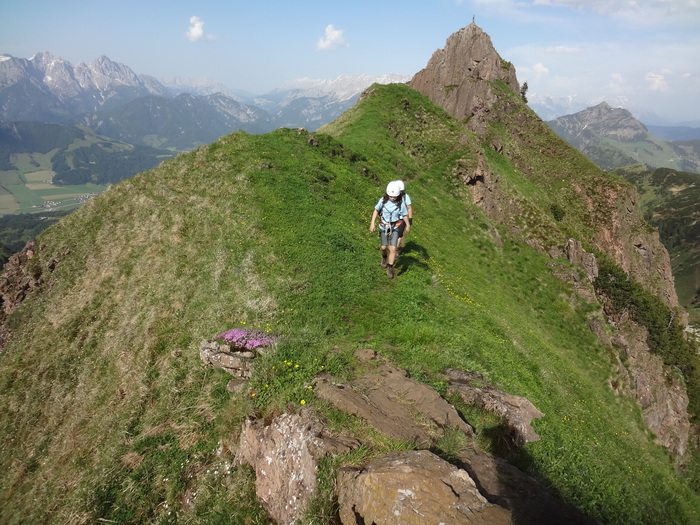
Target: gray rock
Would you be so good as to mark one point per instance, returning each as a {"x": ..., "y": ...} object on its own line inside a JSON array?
[
  {"x": 284, "y": 455},
  {"x": 413, "y": 487},
  {"x": 517, "y": 411},
  {"x": 392, "y": 403},
  {"x": 239, "y": 364},
  {"x": 458, "y": 77}
]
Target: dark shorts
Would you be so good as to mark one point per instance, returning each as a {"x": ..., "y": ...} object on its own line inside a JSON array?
[
  {"x": 401, "y": 230},
  {"x": 389, "y": 238}
]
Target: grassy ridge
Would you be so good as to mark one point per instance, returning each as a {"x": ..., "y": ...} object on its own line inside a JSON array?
[{"x": 108, "y": 412}]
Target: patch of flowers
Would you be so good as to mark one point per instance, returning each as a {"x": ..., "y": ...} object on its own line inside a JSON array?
[{"x": 245, "y": 338}]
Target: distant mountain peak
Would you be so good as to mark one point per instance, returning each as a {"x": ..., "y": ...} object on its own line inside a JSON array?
[{"x": 604, "y": 121}]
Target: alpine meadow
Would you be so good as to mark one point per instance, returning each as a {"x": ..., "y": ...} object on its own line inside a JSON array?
[{"x": 108, "y": 413}]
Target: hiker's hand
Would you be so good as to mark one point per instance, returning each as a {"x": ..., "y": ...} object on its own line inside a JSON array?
[{"x": 372, "y": 227}]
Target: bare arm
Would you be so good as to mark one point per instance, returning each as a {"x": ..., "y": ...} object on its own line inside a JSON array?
[{"x": 372, "y": 225}]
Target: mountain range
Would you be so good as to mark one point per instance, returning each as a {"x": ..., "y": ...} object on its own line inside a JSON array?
[
  {"x": 106, "y": 108},
  {"x": 49, "y": 89}
]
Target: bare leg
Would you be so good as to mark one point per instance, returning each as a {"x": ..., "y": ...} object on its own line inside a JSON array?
[{"x": 392, "y": 255}]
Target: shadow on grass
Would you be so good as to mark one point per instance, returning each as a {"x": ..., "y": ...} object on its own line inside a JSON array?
[
  {"x": 412, "y": 255},
  {"x": 531, "y": 501}
]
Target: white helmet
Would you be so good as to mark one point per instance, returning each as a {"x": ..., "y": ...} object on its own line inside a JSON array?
[
  {"x": 392, "y": 189},
  {"x": 400, "y": 185}
]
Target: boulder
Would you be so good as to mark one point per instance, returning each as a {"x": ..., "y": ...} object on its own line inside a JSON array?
[
  {"x": 413, "y": 487},
  {"x": 392, "y": 403},
  {"x": 518, "y": 412},
  {"x": 284, "y": 454}
]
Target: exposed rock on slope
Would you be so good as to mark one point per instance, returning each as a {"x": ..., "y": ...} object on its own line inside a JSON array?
[
  {"x": 284, "y": 455},
  {"x": 658, "y": 391},
  {"x": 452, "y": 78},
  {"x": 412, "y": 486},
  {"x": 373, "y": 397},
  {"x": 517, "y": 411}
]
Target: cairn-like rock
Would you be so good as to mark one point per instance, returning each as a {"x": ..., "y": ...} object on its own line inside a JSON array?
[
  {"x": 235, "y": 352},
  {"x": 238, "y": 362}
]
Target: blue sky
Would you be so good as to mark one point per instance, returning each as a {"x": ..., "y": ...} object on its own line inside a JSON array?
[{"x": 641, "y": 54}]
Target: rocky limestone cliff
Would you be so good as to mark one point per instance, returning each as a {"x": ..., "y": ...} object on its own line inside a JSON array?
[
  {"x": 453, "y": 74},
  {"x": 466, "y": 78},
  {"x": 460, "y": 79}
]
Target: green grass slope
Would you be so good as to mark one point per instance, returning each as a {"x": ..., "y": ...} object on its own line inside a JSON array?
[{"x": 107, "y": 413}]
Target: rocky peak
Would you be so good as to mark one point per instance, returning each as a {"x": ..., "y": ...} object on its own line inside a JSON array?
[
  {"x": 13, "y": 69},
  {"x": 44, "y": 59},
  {"x": 603, "y": 121},
  {"x": 105, "y": 73},
  {"x": 451, "y": 77}
]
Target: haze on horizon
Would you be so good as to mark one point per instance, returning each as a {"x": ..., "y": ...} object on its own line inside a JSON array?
[{"x": 640, "y": 55}]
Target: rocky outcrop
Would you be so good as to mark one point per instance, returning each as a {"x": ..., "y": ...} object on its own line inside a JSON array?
[
  {"x": 22, "y": 275},
  {"x": 401, "y": 487},
  {"x": 658, "y": 391},
  {"x": 393, "y": 403},
  {"x": 413, "y": 487},
  {"x": 459, "y": 77},
  {"x": 284, "y": 455},
  {"x": 466, "y": 78},
  {"x": 517, "y": 412},
  {"x": 631, "y": 242}
]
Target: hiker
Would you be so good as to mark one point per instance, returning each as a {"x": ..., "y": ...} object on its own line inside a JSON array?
[
  {"x": 392, "y": 213},
  {"x": 406, "y": 199}
]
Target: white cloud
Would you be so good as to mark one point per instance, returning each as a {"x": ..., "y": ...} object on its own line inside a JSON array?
[
  {"x": 540, "y": 69},
  {"x": 657, "y": 81},
  {"x": 617, "y": 84},
  {"x": 644, "y": 13},
  {"x": 196, "y": 30},
  {"x": 332, "y": 40}
]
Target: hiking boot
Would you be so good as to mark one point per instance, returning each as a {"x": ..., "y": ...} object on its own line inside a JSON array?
[
  {"x": 384, "y": 263},
  {"x": 390, "y": 271}
]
